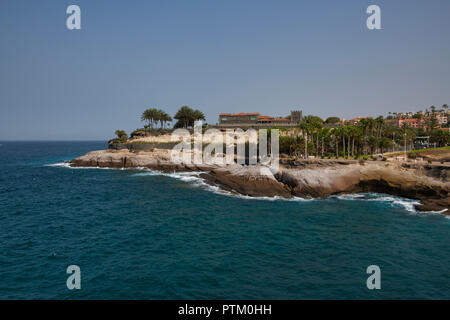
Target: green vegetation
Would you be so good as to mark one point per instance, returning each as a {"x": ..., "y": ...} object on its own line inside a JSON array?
[
  {"x": 153, "y": 116},
  {"x": 413, "y": 153},
  {"x": 360, "y": 140},
  {"x": 332, "y": 120},
  {"x": 152, "y": 142},
  {"x": 186, "y": 117},
  {"x": 121, "y": 136},
  {"x": 429, "y": 149}
]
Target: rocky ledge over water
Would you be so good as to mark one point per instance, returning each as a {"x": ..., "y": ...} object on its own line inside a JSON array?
[{"x": 428, "y": 183}]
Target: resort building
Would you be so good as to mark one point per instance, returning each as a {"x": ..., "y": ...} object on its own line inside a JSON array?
[
  {"x": 442, "y": 119},
  {"x": 256, "y": 121},
  {"x": 413, "y": 122}
]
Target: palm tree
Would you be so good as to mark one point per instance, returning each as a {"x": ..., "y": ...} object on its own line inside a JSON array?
[
  {"x": 149, "y": 115},
  {"x": 184, "y": 116},
  {"x": 337, "y": 132},
  {"x": 352, "y": 133},
  {"x": 373, "y": 143},
  {"x": 159, "y": 117},
  {"x": 166, "y": 118},
  {"x": 384, "y": 144},
  {"x": 379, "y": 123},
  {"x": 324, "y": 134},
  {"x": 145, "y": 116},
  {"x": 198, "y": 115},
  {"x": 344, "y": 135},
  {"x": 307, "y": 128},
  {"x": 364, "y": 123},
  {"x": 357, "y": 134}
]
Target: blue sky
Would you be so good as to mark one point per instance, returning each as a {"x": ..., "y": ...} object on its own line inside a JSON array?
[{"x": 218, "y": 56}]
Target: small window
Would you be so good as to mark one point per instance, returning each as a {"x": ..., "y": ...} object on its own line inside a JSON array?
[
  {"x": 252, "y": 118},
  {"x": 224, "y": 119}
]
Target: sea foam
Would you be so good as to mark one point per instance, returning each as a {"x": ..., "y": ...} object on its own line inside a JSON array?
[
  {"x": 407, "y": 204},
  {"x": 195, "y": 180}
]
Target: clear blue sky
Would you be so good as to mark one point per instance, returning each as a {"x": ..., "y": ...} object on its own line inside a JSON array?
[{"x": 217, "y": 56}]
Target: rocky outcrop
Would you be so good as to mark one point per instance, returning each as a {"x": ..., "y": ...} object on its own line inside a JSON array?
[
  {"x": 321, "y": 181},
  {"x": 254, "y": 181},
  {"x": 435, "y": 154},
  {"x": 409, "y": 183},
  {"x": 307, "y": 179},
  {"x": 159, "y": 160}
]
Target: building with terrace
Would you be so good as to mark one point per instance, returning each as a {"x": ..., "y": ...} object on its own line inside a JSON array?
[{"x": 257, "y": 121}]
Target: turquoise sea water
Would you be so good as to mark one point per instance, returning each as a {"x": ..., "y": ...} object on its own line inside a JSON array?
[{"x": 139, "y": 234}]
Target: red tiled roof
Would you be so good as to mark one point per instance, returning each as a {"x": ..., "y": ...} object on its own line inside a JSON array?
[
  {"x": 239, "y": 114},
  {"x": 410, "y": 120}
]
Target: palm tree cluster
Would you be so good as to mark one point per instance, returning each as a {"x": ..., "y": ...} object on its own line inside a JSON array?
[
  {"x": 368, "y": 137},
  {"x": 187, "y": 116},
  {"x": 153, "y": 116}
]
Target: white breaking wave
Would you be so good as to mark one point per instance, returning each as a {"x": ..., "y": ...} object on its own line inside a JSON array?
[
  {"x": 67, "y": 165},
  {"x": 194, "y": 179},
  {"x": 407, "y": 204},
  {"x": 60, "y": 164}
]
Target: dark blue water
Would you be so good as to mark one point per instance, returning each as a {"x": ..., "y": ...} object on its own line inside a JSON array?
[{"x": 141, "y": 235}]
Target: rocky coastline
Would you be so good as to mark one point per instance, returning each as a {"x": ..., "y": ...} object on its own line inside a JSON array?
[{"x": 428, "y": 183}]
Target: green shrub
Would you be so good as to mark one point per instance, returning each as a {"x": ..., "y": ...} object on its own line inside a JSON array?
[
  {"x": 142, "y": 132},
  {"x": 121, "y": 136}
]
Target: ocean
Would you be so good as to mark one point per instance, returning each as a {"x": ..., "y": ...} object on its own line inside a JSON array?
[{"x": 140, "y": 234}]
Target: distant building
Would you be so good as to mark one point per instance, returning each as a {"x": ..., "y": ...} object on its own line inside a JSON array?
[
  {"x": 255, "y": 120},
  {"x": 442, "y": 119},
  {"x": 354, "y": 120},
  {"x": 413, "y": 122},
  {"x": 420, "y": 122}
]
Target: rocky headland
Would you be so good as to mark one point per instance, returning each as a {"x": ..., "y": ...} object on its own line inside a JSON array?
[{"x": 428, "y": 183}]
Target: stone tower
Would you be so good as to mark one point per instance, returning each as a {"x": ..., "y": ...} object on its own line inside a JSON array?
[{"x": 297, "y": 116}]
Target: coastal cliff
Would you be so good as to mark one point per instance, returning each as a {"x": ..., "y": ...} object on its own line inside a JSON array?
[{"x": 306, "y": 179}]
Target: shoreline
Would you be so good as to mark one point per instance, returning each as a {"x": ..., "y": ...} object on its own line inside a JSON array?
[
  {"x": 305, "y": 179},
  {"x": 406, "y": 203}
]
